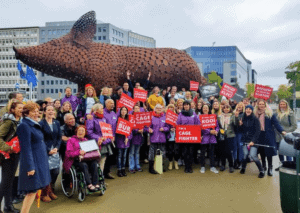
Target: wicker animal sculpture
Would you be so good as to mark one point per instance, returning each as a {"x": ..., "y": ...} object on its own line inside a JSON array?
[{"x": 77, "y": 58}]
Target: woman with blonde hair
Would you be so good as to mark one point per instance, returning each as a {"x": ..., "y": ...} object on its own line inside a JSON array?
[
  {"x": 238, "y": 154},
  {"x": 179, "y": 105},
  {"x": 267, "y": 135},
  {"x": 287, "y": 120},
  {"x": 104, "y": 95}
]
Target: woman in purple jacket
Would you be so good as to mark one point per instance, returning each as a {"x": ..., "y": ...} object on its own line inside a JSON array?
[
  {"x": 94, "y": 132},
  {"x": 73, "y": 152},
  {"x": 122, "y": 144},
  {"x": 135, "y": 145},
  {"x": 187, "y": 117},
  {"x": 157, "y": 130},
  {"x": 208, "y": 143}
]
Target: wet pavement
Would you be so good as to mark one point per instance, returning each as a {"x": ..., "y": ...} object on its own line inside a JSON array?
[{"x": 175, "y": 191}]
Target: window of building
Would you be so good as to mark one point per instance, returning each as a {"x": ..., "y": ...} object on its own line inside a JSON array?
[
  {"x": 233, "y": 80},
  {"x": 47, "y": 82},
  {"x": 49, "y": 32},
  {"x": 56, "y": 91},
  {"x": 104, "y": 37},
  {"x": 95, "y": 38},
  {"x": 54, "y": 32},
  {"x": 47, "y": 90},
  {"x": 61, "y": 90},
  {"x": 104, "y": 29},
  {"x": 66, "y": 81},
  {"x": 43, "y": 82},
  {"x": 56, "y": 82},
  {"x": 43, "y": 74},
  {"x": 61, "y": 82},
  {"x": 74, "y": 90},
  {"x": 52, "y": 91},
  {"x": 43, "y": 32},
  {"x": 99, "y": 38},
  {"x": 52, "y": 82},
  {"x": 70, "y": 82},
  {"x": 233, "y": 73},
  {"x": 42, "y": 90},
  {"x": 99, "y": 29}
]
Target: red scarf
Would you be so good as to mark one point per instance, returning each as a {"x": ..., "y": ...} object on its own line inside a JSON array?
[
  {"x": 157, "y": 115},
  {"x": 98, "y": 115}
]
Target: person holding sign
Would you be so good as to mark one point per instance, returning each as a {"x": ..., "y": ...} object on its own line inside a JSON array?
[
  {"x": 188, "y": 117},
  {"x": 122, "y": 143},
  {"x": 135, "y": 145},
  {"x": 157, "y": 130},
  {"x": 73, "y": 152},
  {"x": 267, "y": 135},
  {"x": 94, "y": 132},
  {"x": 227, "y": 123},
  {"x": 250, "y": 128},
  {"x": 208, "y": 143}
]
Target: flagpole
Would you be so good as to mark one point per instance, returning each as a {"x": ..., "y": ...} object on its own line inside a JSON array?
[{"x": 30, "y": 91}]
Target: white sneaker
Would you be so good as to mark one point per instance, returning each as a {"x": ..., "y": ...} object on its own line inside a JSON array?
[
  {"x": 214, "y": 170},
  {"x": 202, "y": 170}
]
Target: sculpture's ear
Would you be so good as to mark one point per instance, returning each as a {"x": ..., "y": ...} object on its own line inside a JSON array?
[{"x": 84, "y": 29}]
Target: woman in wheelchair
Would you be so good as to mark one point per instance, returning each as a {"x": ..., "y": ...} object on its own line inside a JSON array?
[{"x": 73, "y": 153}]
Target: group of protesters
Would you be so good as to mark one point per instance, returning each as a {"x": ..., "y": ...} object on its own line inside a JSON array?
[{"x": 50, "y": 131}]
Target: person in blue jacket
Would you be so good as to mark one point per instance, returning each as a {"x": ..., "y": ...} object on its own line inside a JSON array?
[
  {"x": 268, "y": 122},
  {"x": 34, "y": 167}
]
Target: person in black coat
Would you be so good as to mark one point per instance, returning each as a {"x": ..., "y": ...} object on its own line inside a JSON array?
[
  {"x": 250, "y": 129},
  {"x": 52, "y": 136},
  {"x": 34, "y": 166}
]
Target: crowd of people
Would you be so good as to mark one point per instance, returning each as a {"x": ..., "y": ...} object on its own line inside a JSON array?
[{"x": 50, "y": 131}]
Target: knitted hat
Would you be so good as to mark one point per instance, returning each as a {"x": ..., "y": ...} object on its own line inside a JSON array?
[
  {"x": 87, "y": 86},
  {"x": 249, "y": 106}
]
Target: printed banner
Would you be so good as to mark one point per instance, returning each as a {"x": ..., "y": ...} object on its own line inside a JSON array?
[
  {"x": 209, "y": 90},
  {"x": 194, "y": 85},
  {"x": 239, "y": 95},
  {"x": 124, "y": 127},
  {"x": 106, "y": 130},
  {"x": 132, "y": 121},
  {"x": 142, "y": 119},
  {"x": 126, "y": 101},
  {"x": 188, "y": 134},
  {"x": 208, "y": 121},
  {"x": 262, "y": 92},
  {"x": 140, "y": 95},
  {"x": 171, "y": 118},
  {"x": 228, "y": 91}
]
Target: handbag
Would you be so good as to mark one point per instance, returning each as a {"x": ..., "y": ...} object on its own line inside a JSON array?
[
  {"x": 221, "y": 135},
  {"x": 90, "y": 156},
  {"x": 158, "y": 162},
  {"x": 14, "y": 142}
]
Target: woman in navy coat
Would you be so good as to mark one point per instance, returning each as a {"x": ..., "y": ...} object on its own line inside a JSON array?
[
  {"x": 34, "y": 167},
  {"x": 52, "y": 136},
  {"x": 268, "y": 122}
]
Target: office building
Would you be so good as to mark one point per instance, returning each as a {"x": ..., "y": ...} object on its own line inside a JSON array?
[
  {"x": 9, "y": 74},
  {"x": 228, "y": 61},
  {"x": 254, "y": 77}
]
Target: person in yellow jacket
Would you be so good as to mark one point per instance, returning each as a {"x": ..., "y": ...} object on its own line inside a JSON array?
[{"x": 155, "y": 98}]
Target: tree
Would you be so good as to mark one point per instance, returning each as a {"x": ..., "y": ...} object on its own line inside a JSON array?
[
  {"x": 294, "y": 76},
  {"x": 284, "y": 92},
  {"x": 250, "y": 88},
  {"x": 213, "y": 77}
]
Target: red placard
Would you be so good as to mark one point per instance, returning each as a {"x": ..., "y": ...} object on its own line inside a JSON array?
[
  {"x": 194, "y": 85},
  {"x": 132, "y": 121},
  {"x": 188, "y": 134},
  {"x": 228, "y": 91},
  {"x": 142, "y": 119},
  {"x": 262, "y": 92},
  {"x": 140, "y": 95},
  {"x": 16, "y": 147},
  {"x": 124, "y": 127},
  {"x": 208, "y": 121},
  {"x": 126, "y": 101},
  {"x": 171, "y": 118},
  {"x": 106, "y": 130}
]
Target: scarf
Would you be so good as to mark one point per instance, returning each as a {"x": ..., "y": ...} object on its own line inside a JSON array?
[
  {"x": 98, "y": 115},
  {"x": 225, "y": 120},
  {"x": 157, "y": 115},
  {"x": 187, "y": 113},
  {"x": 260, "y": 114}
]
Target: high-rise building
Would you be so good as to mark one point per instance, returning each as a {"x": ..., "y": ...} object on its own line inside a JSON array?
[
  {"x": 105, "y": 33},
  {"x": 228, "y": 61},
  {"x": 9, "y": 74}
]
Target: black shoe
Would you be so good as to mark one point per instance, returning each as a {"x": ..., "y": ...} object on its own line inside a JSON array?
[
  {"x": 139, "y": 170},
  {"x": 222, "y": 168},
  {"x": 261, "y": 174},
  {"x": 109, "y": 176},
  {"x": 277, "y": 169},
  {"x": 119, "y": 173},
  {"x": 17, "y": 200},
  {"x": 11, "y": 209},
  {"x": 243, "y": 171},
  {"x": 186, "y": 170},
  {"x": 270, "y": 171},
  {"x": 231, "y": 170},
  {"x": 265, "y": 168},
  {"x": 190, "y": 170},
  {"x": 151, "y": 168},
  {"x": 124, "y": 173}
]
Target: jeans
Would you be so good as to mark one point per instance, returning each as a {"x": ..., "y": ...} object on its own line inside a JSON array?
[
  {"x": 210, "y": 148},
  {"x": 238, "y": 153},
  {"x": 122, "y": 158},
  {"x": 86, "y": 168},
  {"x": 252, "y": 155},
  {"x": 134, "y": 157},
  {"x": 227, "y": 151}
]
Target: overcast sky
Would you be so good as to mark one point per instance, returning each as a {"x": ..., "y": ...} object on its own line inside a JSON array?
[{"x": 266, "y": 31}]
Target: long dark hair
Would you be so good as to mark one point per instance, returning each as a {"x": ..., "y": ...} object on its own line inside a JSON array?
[
  {"x": 126, "y": 116},
  {"x": 209, "y": 111}
]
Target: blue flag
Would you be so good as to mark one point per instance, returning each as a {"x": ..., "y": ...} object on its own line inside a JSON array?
[
  {"x": 22, "y": 73},
  {"x": 30, "y": 76}
]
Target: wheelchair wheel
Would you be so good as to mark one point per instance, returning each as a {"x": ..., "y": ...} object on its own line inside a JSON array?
[
  {"x": 81, "y": 194},
  {"x": 102, "y": 189},
  {"x": 69, "y": 183},
  {"x": 81, "y": 187}
]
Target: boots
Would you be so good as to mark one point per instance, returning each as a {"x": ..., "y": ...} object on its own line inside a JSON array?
[
  {"x": 170, "y": 165},
  {"x": 11, "y": 209},
  {"x": 51, "y": 193},
  {"x": 45, "y": 195},
  {"x": 176, "y": 165},
  {"x": 124, "y": 173},
  {"x": 236, "y": 164},
  {"x": 261, "y": 174},
  {"x": 151, "y": 167},
  {"x": 270, "y": 171},
  {"x": 119, "y": 174},
  {"x": 264, "y": 165}
]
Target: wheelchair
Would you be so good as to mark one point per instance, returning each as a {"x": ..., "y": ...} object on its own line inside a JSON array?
[{"x": 75, "y": 182}]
